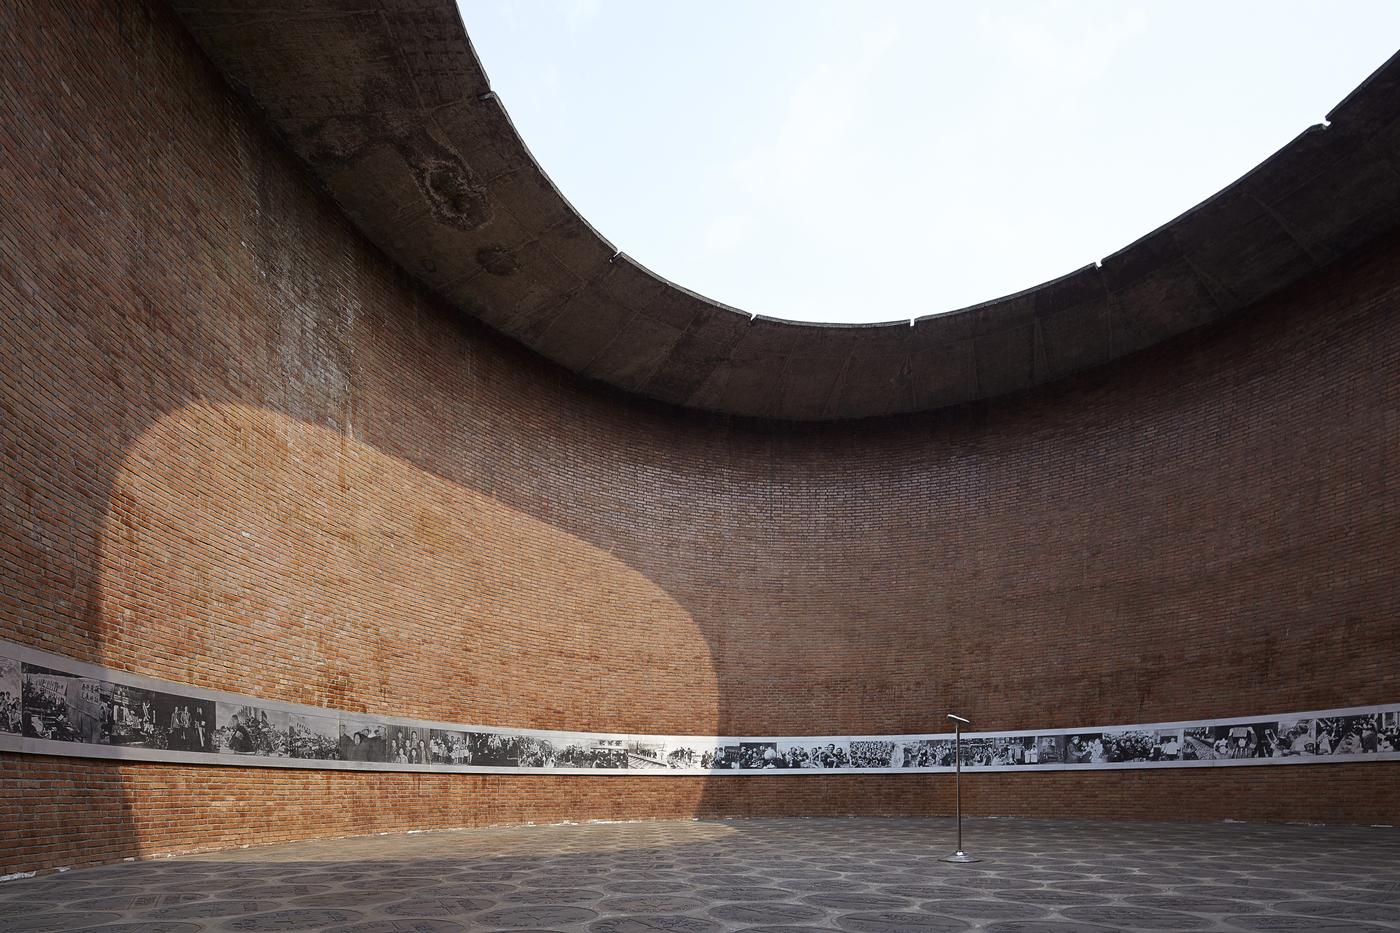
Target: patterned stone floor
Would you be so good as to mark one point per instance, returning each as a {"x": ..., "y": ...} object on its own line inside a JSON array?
[{"x": 858, "y": 875}]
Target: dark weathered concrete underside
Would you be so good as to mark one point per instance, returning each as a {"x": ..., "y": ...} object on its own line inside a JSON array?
[{"x": 387, "y": 103}]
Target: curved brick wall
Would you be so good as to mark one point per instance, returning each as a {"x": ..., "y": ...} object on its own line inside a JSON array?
[{"x": 240, "y": 450}]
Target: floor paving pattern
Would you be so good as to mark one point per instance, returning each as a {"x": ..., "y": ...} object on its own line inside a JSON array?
[{"x": 760, "y": 876}]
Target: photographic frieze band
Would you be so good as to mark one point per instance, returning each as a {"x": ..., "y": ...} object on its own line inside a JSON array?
[{"x": 52, "y": 705}]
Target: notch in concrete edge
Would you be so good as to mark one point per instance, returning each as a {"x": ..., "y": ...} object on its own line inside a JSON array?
[
  {"x": 622, "y": 256},
  {"x": 1032, "y": 291},
  {"x": 517, "y": 139},
  {"x": 829, "y": 325},
  {"x": 466, "y": 37},
  {"x": 1362, "y": 89},
  {"x": 1235, "y": 186}
]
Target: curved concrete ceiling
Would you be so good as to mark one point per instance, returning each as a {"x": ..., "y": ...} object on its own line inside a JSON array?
[{"x": 388, "y": 104}]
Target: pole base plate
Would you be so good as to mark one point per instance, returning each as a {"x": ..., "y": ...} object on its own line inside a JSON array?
[{"x": 960, "y": 856}]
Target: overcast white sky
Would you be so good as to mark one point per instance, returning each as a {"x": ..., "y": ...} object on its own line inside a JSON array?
[{"x": 834, "y": 160}]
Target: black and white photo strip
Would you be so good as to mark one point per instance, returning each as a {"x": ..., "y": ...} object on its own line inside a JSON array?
[{"x": 51, "y": 705}]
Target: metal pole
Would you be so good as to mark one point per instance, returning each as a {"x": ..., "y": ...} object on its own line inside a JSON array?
[
  {"x": 957, "y": 779},
  {"x": 959, "y": 855}
]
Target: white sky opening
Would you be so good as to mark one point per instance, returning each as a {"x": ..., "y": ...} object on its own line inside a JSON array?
[{"x": 831, "y": 160}]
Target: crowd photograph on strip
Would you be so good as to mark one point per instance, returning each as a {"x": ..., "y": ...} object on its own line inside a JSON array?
[
  {"x": 1050, "y": 749},
  {"x": 503, "y": 750},
  {"x": 243, "y": 729},
  {"x": 754, "y": 756},
  {"x": 1368, "y": 734},
  {"x": 1230, "y": 742},
  {"x": 814, "y": 754},
  {"x": 561, "y": 750},
  {"x": 999, "y": 751},
  {"x": 64, "y": 707},
  {"x": 723, "y": 758},
  {"x": 702, "y": 753},
  {"x": 536, "y": 752},
  {"x": 1136, "y": 745},
  {"x": 593, "y": 752},
  {"x": 646, "y": 754},
  {"x": 359, "y": 738},
  {"x": 928, "y": 753},
  {"x": 685, "y": 753},
  {"x": 1294, "y": 737},
  {"x": 461, "y": 748},
  {"x": 449, "y": 747},
  {"x": 980, "y": 752},
  {"x": 778, "y": 755},
  {"x": 11, "y": 705},
  {"x": 154, "y": 719},
  {"x": 1389, "y": 724},
  {"x": 407, "y": 745},
  {"x": 1009, "y": 751},
  {"x": 315, "y": 738},
  {"x": 874, "y": 753}
]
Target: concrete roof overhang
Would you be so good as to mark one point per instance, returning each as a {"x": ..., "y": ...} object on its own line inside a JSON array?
[{"x": 388, "y": 105}]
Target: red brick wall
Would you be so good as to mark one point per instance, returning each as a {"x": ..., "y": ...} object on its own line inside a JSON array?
[
  {"x": 74, "y": 811},
  {"x": 238, "y": 449}
]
